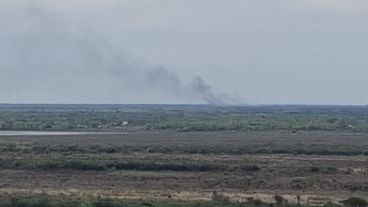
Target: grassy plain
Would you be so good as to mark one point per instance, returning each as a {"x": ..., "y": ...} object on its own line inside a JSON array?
[{"x": 272, "y": 154}]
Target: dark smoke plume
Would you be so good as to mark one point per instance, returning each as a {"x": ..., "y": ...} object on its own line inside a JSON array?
[{"x": 50, "y": 59}]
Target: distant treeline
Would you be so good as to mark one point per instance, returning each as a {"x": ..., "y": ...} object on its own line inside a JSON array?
[{"x": 182, "y": 117}]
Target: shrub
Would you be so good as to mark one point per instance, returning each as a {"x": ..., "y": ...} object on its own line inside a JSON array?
[
  {"x": 220, "y": 198},
  {"x": 314, "y": 169},
  {"x": 280, "y": 201},
  {"x": 329, "y": 204},
  {"x": 355, "y": 202}
]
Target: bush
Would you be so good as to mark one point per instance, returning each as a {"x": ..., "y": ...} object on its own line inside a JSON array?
[
  {"x": 220, "y": 198},
  {"x": 280, "y": 201},
  {"x": 355, "y": 202},
  {"x": 329, "y": 204}
]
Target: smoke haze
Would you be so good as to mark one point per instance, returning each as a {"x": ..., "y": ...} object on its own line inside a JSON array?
[
  {"x": 54, "y": 61},
  {"x": 184, "y": 51}
]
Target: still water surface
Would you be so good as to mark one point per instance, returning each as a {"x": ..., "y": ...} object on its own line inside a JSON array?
[{"x": 40, "y": 133}]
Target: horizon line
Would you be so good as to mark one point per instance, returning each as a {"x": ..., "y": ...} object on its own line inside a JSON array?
[{"x": 180, "y": 104}]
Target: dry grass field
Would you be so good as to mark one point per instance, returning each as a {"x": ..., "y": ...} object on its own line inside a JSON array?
[{"x": 307, "y": 167}]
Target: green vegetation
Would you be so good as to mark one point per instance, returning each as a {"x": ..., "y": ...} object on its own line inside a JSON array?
[
  {"x": 218, "y": 200},
  {"x": 107, "y": 162},
  {"x": 44, "y": 201},
  {"x": 355, "y": 202},
  {"x": 144, "y": 158},
  {"x": 296, "y": 149},
  {"x": 210, "y": 159},
  {"x": 182, "y": 118},
  {"x": 115, "y": 165}
]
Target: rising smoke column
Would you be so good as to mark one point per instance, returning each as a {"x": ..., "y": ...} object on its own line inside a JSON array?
[{"x": 51, "y": 59}]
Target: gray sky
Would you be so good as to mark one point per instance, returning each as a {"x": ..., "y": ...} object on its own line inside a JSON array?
[{"x": 184, "y": 51}]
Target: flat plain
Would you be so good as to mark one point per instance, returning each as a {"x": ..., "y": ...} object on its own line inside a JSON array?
[
  {"x": 308, "y": 155},
  {"x": 186, "y": 166}
]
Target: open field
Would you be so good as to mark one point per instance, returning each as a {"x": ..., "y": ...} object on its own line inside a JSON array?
[
  {"x": 308, "y": 155},
  {"x": 310, "y": 167}
]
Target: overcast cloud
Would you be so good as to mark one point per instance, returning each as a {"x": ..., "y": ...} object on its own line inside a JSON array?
[{"x": 184, "y": 51}]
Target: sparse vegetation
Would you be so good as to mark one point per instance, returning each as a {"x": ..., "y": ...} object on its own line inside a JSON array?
[
  {"x": 183, "y": 118},
  {"x": 177, "y": 153},
  {"x": 274, "y": 148},
  {"x": 355, "y": 202},
  {"x": 218, "y": 200}
]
